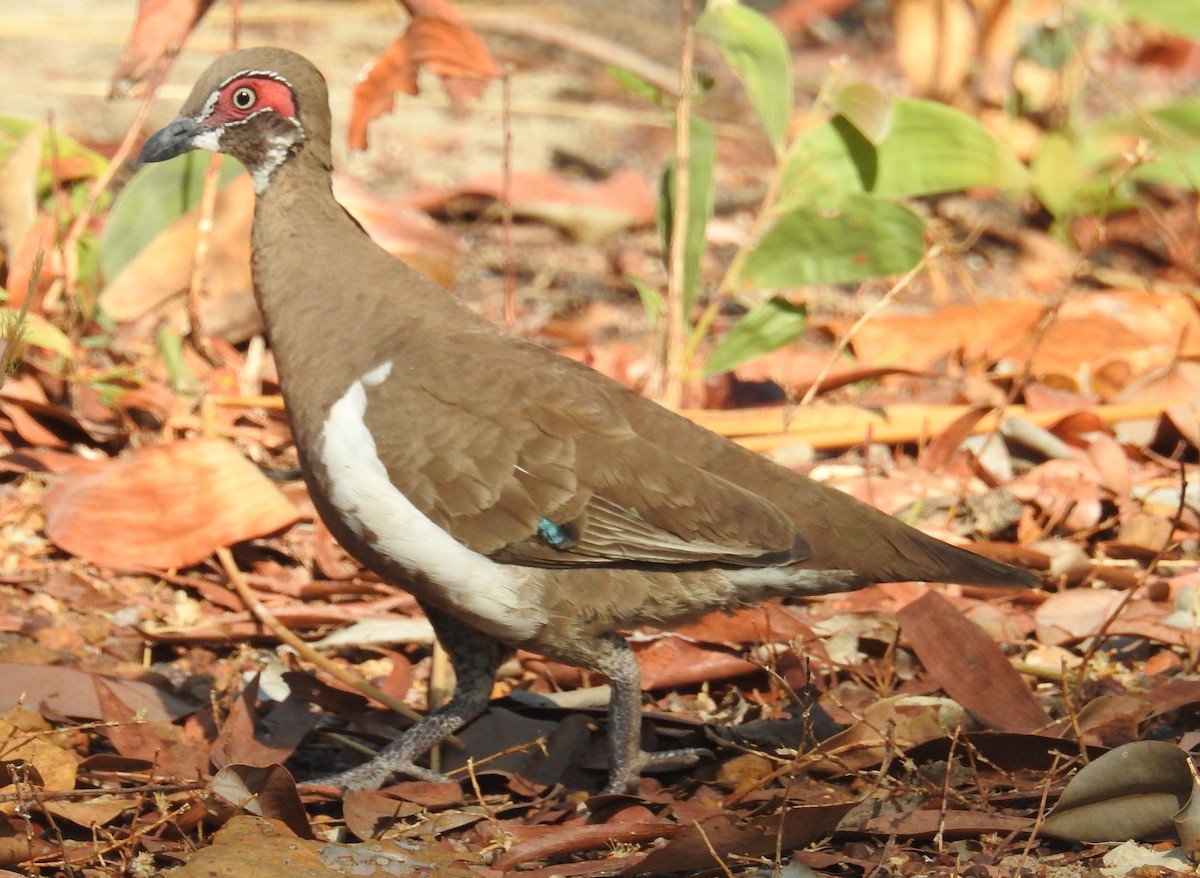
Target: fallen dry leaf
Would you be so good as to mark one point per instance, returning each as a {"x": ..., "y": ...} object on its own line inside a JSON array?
[
  {"x": 437, "y": 40},
  {"x": 1069, "y": 616},
  {"x": 695, "y": 846},
  {"x": 159, "y": 32},
  {"x": 935, "y": 43},
  {"x": 919, "y": 341},
  {"x": 155, "y": 281},
  {"x": 32, "y": 760},
  {"x": 1067, "y": 491},
  {"x": 266, "y": 791},
  {"x": 590, "y": 212},
  {"x": 164, "y": 507},
  {"x": 950, "y": 824},
  {"x": 969, "y": 666},
  {"x": 173, "y": 749},
  {"x": 70, "y": 692},
  {"x": 887, "y": 726},
  {"x": 38, "y": 246},
  {"x": 669, "y": 661}
]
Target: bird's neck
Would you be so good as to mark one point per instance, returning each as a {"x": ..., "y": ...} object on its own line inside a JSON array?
[{"x": 331, "y": 298}]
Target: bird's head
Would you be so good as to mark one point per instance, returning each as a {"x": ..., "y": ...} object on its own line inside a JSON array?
[{"x": 262, "y": 106}]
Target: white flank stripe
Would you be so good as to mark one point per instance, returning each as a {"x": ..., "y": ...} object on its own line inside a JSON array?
[{"x": 373, "y": 506}]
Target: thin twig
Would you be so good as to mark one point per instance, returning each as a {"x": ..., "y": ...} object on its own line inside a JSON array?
[
  {"x": 712, "y": 850},
  {"x": 1041, "y": 815},
  {"x": 195, "y": 290},
  {"x": 884, "y": 856},
  {"x": 1143, "y": 576},
  {"x": 287, "y": 636},
  {"x": 842, "y": 343},
  {"x": 204, "y": 225}
]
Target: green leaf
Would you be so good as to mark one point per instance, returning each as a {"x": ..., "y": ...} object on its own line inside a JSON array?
[
  {"x": 763, "y": 329},
  {"x": 864, "y": 237},
  {"x": 1051, "y": 46},
  {"x": 1070, "y": 176},
  {"x": 157, "y": 196},
  {"x": 1173, "y": 132},
  {"x": 62, "y": 146},
  {"x": 1178, "y": 17},
  {"x": 867, "y": 109},
  {"x": 170, "y": 348},
  {"x": 652, "y": 299},
  {"x": 756, "y": 51},
  {"x": 702, "y": 159},
  {"x": 1058, "y": 174},
  {"x": 637, "y": 86},
  {"x": 87, "y": 267},
  {"x": 34, "y": 329},
  {"x": 930, "y": 148}
]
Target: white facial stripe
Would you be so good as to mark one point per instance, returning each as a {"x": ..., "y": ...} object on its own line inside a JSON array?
[
  {"x": 210, "y": 105},
  {"x": 210, "y": 140},
  {"x": 377, "y": 511},
  {"x": 266, "y": 74}
]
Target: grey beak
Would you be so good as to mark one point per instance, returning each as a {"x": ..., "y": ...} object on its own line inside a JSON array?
[{"x": 176, "y": 139}]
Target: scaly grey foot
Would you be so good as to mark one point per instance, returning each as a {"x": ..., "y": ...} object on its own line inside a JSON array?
[{"x": 476, "y": 659}]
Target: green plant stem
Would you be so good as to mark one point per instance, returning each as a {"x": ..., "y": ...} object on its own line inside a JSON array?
[
  {"x": 767, "y": 212},
  {"x": 763, "y": 217},
  {"x": 700, "y": 329},
  {"x": 670, "y": 387}
]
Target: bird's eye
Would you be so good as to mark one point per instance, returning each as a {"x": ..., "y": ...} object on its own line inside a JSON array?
[{"x": 244, "y": 98}]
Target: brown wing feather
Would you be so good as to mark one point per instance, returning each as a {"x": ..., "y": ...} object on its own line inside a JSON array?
[{"x": 491, "y": 454}]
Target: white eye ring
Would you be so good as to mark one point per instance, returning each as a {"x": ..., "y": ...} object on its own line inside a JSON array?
[{"x": 244, "y": 98}]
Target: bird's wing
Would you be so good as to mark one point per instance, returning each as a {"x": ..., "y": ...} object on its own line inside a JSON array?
[{"x": 528, "y": 458}]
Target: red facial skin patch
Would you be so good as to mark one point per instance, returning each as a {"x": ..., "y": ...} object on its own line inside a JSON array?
[{"x": 269, "y": 94}]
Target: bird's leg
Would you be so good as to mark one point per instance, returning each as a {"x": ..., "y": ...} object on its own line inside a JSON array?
[
  {"x": 612, "y": 656},
  {"x": 476, "y": 658}
]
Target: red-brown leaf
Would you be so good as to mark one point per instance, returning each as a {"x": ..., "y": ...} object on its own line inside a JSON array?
[
  {"x": 158, "y": 34},
  {"x": 969, "y": 665},
  {"x": 444, "y": 46},
  {"x": 164, "y": 507}
]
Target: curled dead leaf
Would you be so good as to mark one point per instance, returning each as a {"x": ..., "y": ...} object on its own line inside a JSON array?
[
  {"x": 1132, "y": 792},
  {"x": 440, "y": 43},
  {"x": 155, "y": 280}
]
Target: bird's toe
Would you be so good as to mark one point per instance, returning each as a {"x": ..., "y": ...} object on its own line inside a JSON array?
[
  {"x": 374, "y": 774},
  {"x": 623, "y": 781}
]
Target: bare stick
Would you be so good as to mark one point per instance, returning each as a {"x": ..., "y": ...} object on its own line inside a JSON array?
[{"x": 286, "y": 635}]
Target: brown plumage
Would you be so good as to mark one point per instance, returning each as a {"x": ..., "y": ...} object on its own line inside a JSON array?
[{"x": 525, "y": 500}]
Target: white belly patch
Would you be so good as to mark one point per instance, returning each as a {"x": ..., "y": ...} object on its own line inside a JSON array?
[{"x": 379, "y": 512}]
